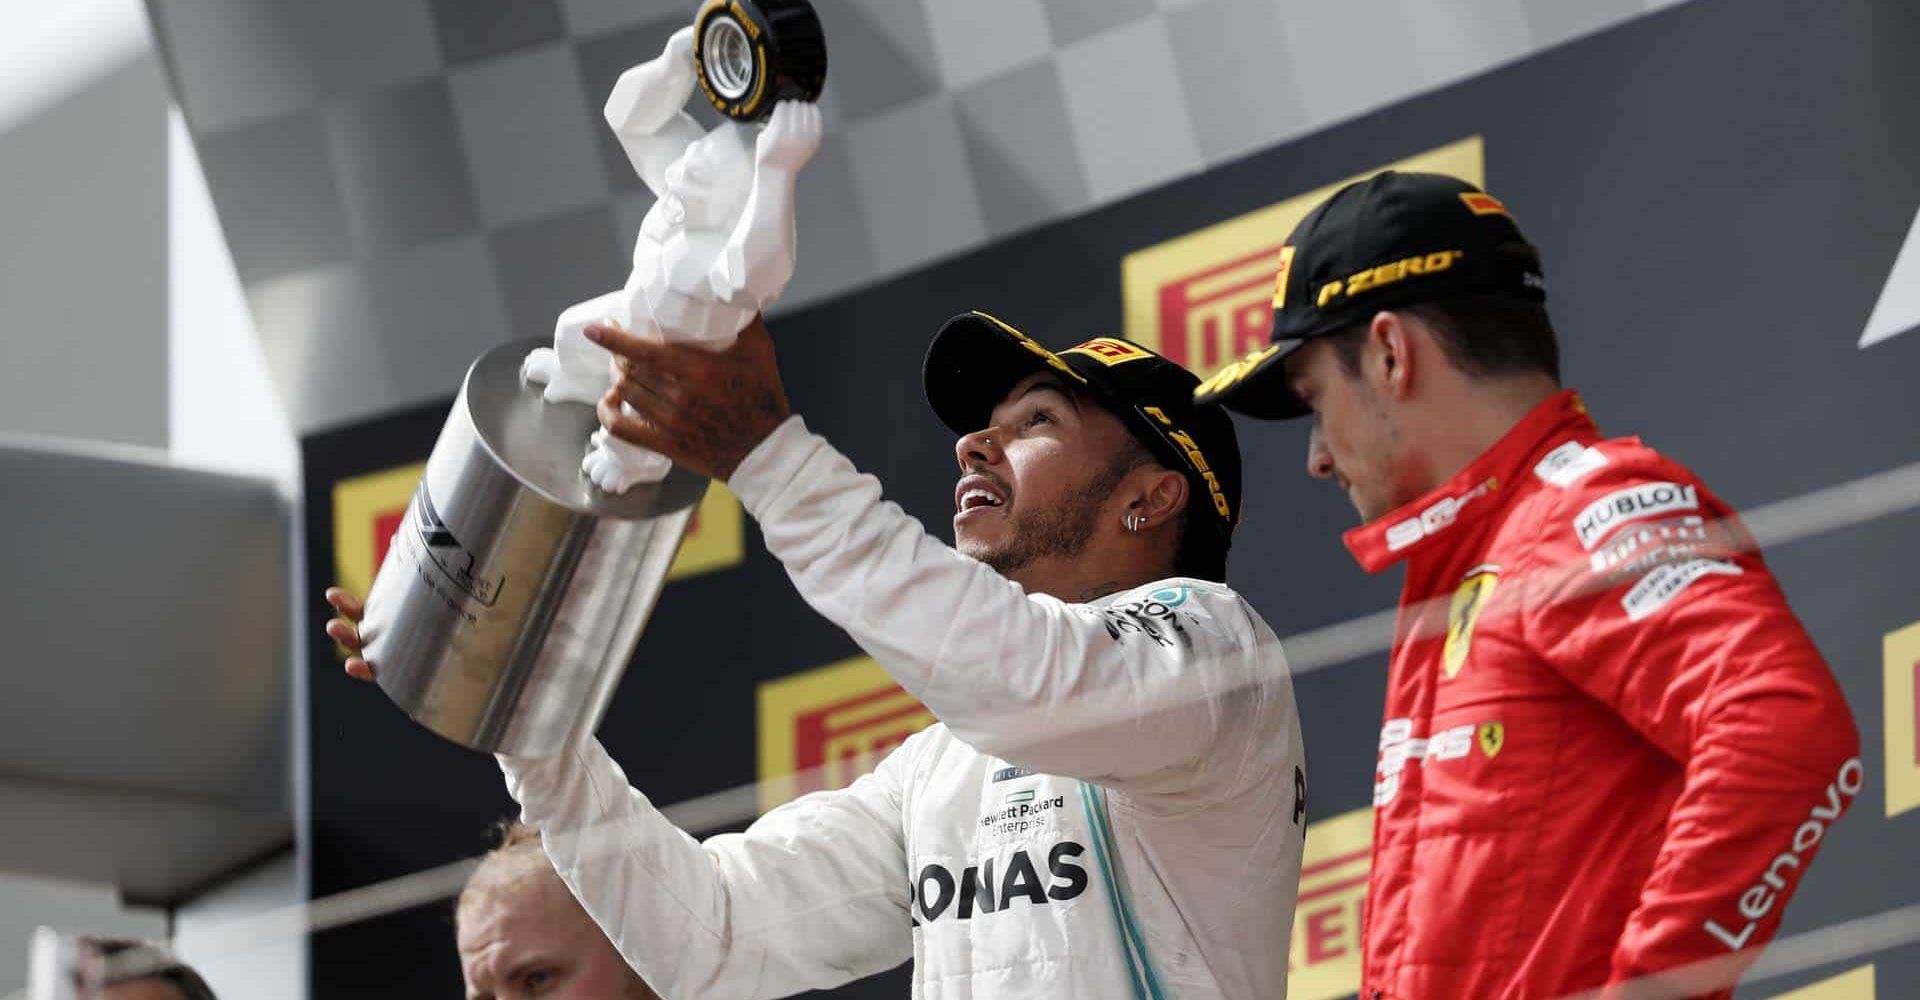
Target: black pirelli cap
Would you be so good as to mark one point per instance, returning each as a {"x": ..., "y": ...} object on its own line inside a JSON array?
[
  {"x": 976, "y": 359},
  {"x": 1395, "y": 239}
]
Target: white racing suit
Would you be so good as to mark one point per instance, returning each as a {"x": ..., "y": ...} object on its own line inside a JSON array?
[{"x": 1112, "y": 805}]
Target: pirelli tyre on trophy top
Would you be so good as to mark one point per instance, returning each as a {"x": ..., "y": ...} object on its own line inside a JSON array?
[{"x": 753, "y": 54}]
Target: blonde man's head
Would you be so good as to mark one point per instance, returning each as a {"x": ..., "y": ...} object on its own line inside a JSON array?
[
  {"x": 521, "y": 934},
  {"x": 517, "y": 857}
]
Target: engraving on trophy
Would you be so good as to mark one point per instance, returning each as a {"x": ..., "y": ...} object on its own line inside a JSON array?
[{"x": 446, "y": 553}]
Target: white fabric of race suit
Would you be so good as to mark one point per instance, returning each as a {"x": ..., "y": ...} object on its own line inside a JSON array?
[{"x": 1112, "y": 806}]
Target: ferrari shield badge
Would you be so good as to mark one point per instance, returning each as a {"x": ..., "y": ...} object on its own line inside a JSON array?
[
  {"x": 1464, "y": 611},
  {"x": 1493, "y": 736}
]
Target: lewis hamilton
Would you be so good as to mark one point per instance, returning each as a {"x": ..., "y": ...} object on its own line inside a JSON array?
[{"x": 1112, "y": 803}]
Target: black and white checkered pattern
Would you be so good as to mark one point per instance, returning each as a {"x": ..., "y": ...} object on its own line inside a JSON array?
[{"x": 406, "y": 182}]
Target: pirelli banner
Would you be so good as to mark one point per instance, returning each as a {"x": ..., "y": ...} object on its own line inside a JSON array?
[{"x": 1727, "y": 198}]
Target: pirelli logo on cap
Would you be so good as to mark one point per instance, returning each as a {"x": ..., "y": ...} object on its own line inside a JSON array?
[
  {"x": 1206, "y": 298},
  {"x": 368, "y": 509},
  {"x": 825, "y": 727},
  {"x": 1481, "y": 203},
  {"x": 1323, "y": 961},
  {"x": 1109, "y": 351}
]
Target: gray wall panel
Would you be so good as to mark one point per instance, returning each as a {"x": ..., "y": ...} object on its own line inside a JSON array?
[
  {"x": 83, "y": 264},
  {"x": 144, "y": 731}
]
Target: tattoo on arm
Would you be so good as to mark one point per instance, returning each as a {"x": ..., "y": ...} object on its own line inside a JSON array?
[{"x": 730, "y": 426}]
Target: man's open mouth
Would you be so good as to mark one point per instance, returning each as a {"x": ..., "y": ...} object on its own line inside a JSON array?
[{"x": 977, "y": 491}]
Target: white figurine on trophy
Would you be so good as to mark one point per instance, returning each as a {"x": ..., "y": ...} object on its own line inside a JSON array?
[
  {"x": 716, "y": 248},
  {"x": 511, "y": 597}
]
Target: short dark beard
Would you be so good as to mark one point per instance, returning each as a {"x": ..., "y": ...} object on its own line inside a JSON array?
[{"x": 1065, "y": 528}]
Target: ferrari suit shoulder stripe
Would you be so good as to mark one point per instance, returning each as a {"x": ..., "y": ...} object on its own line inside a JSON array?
[{"x": 1138, "y": 967}]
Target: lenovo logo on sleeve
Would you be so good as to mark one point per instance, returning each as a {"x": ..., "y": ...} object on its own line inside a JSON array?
[{"x": 1758, "y": 900}]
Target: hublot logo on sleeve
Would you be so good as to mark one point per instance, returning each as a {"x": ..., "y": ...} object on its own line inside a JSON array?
[{"x": 1631, "y": 504}]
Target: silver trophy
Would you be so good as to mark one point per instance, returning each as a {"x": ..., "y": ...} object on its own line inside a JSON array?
[{"x": 536, "y": 544}]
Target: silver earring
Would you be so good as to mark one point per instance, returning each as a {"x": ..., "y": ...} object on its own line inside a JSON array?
[{"x": 1134, "y": 521}]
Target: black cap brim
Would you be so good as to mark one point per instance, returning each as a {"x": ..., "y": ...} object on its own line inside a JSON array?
[
  {"x": 974, "y": 361},
  {"x": 1256, "y": 385}
]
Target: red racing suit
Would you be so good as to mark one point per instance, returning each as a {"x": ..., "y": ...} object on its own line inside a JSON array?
[{"x": 1609, "y": 747}]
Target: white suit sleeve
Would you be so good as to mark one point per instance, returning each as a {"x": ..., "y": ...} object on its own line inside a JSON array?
[
  {"x": 812, "y": 895},
  {"x": 1156, "y": 691}
]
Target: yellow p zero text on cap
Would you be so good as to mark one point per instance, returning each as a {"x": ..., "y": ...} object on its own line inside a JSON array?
[
  {"x": 1195, "y": 458},
  {"x": 1362, "y": 282},
  {"x": 1205, "y": 299}
]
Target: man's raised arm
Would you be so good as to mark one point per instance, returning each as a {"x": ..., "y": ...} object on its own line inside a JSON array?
[{"x": 1119, "y": 694}]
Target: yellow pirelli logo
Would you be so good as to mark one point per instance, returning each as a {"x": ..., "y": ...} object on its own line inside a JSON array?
[
  {"x": 1324, "y": 959},
  {"x": 1902, "y": 700},
  {"x": 368, "y": 509},
  {"x": 1205, "y": 299},
  {"x": 366, "y": 512},
  {"x": 825, "y": 727},
  {"x": 716, "y": 538},
  {"x": 1853, "y": 985},
  {"x": 1108, "y": 351},
  {"x": 1481, "y": 203}
]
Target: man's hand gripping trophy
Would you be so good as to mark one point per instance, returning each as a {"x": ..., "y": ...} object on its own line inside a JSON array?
[{"x": 715, "y": 250}]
